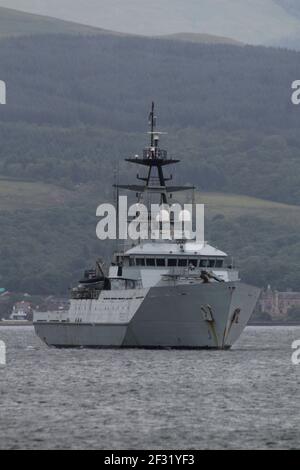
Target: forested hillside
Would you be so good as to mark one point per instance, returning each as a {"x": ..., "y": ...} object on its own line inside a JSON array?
[
  {"x": 228, "y": 110},
  {"x": 76, "y": 105}
]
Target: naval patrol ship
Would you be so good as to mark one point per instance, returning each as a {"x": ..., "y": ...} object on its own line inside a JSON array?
[{"x": 157, "y": 293}]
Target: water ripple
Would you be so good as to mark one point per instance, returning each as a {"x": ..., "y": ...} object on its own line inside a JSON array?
[{"x": 139, "y": 399}]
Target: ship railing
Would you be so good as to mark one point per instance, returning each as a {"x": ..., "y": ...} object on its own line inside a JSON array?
[
  {"x": 159, "y": 153},
  {"x": 86, "y": 294},
  {"x": 154, "y": 181}
]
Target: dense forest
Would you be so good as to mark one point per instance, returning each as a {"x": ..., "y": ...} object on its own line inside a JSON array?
[
  {"x": 77, "y": 105},
  {"x": 228, "y": 110}
]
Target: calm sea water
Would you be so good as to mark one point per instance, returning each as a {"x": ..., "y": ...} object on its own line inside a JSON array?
[{"x": 135, "y": 399}]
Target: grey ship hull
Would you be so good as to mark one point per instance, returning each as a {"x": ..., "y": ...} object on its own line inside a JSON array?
[{"x": 203, "y": 316}]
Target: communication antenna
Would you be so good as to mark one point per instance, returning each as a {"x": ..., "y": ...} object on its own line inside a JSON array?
[{"x": 152, "y": 123}]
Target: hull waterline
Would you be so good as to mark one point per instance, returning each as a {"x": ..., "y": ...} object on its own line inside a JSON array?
[{"x": 190, "y": 317}]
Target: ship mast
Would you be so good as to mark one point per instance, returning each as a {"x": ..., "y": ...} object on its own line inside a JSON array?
[
  {"x": 154, "y": 159},
  {"x": 152, "y": 122}
]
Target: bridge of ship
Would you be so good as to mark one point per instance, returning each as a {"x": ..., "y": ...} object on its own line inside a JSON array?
[
  {"x": 172, "y": 255},
  {"x": 152, "y": 261}
]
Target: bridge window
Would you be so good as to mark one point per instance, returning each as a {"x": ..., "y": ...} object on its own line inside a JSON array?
[
  {"x": 203, "y": 263},
  {"x": 118, "y": 284},
  {"x": 150, "y": 262},
  {"x": 160, "y": 262},
  {"x": 211, "y": 263},
  {"x": 182, "y": 262},
  {"x": 219, "y": 263},
  {"x": 193, "y": 262},
  {"x": 140, "y": 262},
  {"x": 172, "y": 262},
  {"x": 130, "y": 284}
]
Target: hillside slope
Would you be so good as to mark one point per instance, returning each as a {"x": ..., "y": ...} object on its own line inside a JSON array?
[
  {"x": 201, "y": 38},
  {"x": 249, "y": 21},
  {"x": 77, "y": 105},
  {"x": 48, "y": 236},
  {"x": 262, "y": 237},
  {"x": 236, "y": 132},
  {"x": 17, "y": 23}
]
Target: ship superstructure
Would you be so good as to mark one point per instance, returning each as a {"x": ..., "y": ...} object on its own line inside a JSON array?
[{"x": 158, "y": 293}]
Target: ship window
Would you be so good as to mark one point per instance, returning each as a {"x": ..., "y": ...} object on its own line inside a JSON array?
[
  {"x": 193, "y": 262},
  {"x": 140, "y": 262},
  {"x": 219, "y": 263},
  {"x": 118, "y": 284},
  {"x": 131, "y": 261},
  {"x": 211, "y": 263},
  {"x": 160, "y": 262},
  {"x": 150, "y": 262},
  {"x": 182, "y": 262},
  {"x": 130, "y": 284},
  {"x": 203, "y": 263},
  {"x": 172, "y": 262}
]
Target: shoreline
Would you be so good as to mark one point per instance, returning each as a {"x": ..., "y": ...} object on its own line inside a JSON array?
[
  {"x": 16, "y": 323},
  {"x": 29, "y": 323},
  {"x": 258, "y": 323}
]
